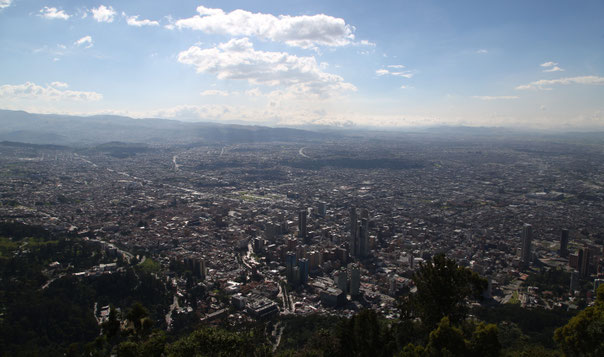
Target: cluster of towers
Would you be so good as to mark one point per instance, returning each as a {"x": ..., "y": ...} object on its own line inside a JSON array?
[
  {"x": 349, "y": 280},
  {"x": 359, "y": 233},
  {"x": 296, "y": 270}
]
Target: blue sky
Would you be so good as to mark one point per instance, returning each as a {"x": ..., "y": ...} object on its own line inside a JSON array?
[{"x": 533, "y": 64}]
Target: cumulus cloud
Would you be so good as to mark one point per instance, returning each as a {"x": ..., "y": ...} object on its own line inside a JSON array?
[
  {"x": 59, "y": 84},
  {"x": 4, "y": 4},
  {"x": 254, "y": 92},
  {"x": 86, "y": 40},
  {"x": 29, "y": 90},
  {"x": 551, "y": 67},
  {"x": 300, "y": 31},
  {"x": 103, "y": 13},
  {"x": 544, "y": 84},
  {"x": 134, "y": 21},
  {"x": 214, "y": 92},
  {"x": 52, "y": 13},
  {"x": 396, "y": 72},
  {"x": 498, "y": 97},
  {"x": 549, "y": 64},
  {"x": 238, "y": 60}
]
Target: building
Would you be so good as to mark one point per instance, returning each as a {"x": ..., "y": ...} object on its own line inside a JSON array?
[
  {"x": 359, "y": 234},
  {"x": 290, "y": 263},
  {"x": 584, "y": 262},
  {"x": 340, "y": 278},
  {"x": 302, "y": 227},
  {"x": 332, "y": 297},
  {"x": 527, "y": 237},
  {"x": 322, "y": 209},
  {"x": 303, "y": 269},
  {"x": 354, "y": 232},
  {"x": 354, "y": 275},
  {"x": 564, "y": 243}
]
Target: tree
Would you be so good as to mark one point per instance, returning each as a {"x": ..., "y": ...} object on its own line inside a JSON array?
[
  {"x": 111, "y": 327},
  {"x": 485, "y": 341},
  {"x": 442, "y": 290},
  {"x": 138, "y": 316},
  {"x": 364, "y": 335},
  {"x": 446, "y": 340},
  {"x": 583, "y": 335},
  {"x": 212, "y": 342}
]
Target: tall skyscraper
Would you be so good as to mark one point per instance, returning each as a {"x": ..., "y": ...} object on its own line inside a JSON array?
[
  {"x": 354, "y": 275},
  {"x": 584, "y": 260},
  {"x": 364, "y": 238},
  {"x": 527, "y": 237},
  {"x": 564, "y": 243},
  {"x": 303, "y": 267},
  {"x": 290, "y": 263},
  {"x": 354, "y": 231},
  {"x": 302, "y": 228}
]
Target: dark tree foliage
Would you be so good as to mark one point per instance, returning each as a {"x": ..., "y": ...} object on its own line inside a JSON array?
[
  {"x": 442, "y": 290},
  {"x": 583, "y": 335},
  {"x": 537, "y": 324},
  {"x": 213, "y": 342},
  {"x": 365, "y": 335}
]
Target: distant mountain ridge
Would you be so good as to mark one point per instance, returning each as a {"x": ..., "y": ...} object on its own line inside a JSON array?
[{"x": 20, "y": 126}]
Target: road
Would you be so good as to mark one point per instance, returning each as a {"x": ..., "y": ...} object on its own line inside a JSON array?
[
  {"x": 176, "y": 166},
  {"x": 301, "y": 152}
]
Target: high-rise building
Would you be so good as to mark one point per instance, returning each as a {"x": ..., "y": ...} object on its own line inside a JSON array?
[
  {"x": 527, "y": 237},
  {"x": 363, "y": 237},
  {"x": 359, "y": 234},
  {"x": 354, "y": 276},
  {"x": 564, "y": 243},
  {"x": 584, "y": 261},
  {"x": 341, "y": 280},
  {"x": 290, "y": 263},
  {"x": 303, "y": 267},
  {"x": 322, "y": 209},
  {"x": 354, "y": 232},
  {"x": 302, "y": 228}
]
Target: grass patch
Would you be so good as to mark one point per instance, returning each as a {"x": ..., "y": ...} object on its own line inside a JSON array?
[{"x": 150, "y": 266}]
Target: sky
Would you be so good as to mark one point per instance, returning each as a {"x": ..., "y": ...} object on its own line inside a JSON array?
[{"x": 388, "y": 64}]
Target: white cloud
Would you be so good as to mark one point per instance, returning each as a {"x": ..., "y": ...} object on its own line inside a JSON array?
[
  {"x": 214, "y": 92},
  {"x": 103, "y": 13},
  {"x": 397, "y": 66},
  {"x": 499, "y": 97},
  {"x": 544, "y": 83},
  {"x": 254, "y": 92},
  {"x": 29, "y": 90},
  {"x": 59, "y": 84},
  {"x": 134, "y": 21},
  {"x": 86, "y": 40},
  {"x": 549, "y": 64},
  {"x": 553, "y": 69},
  {"x": 383, "y": 72},
  {"x": 300, "y": 31},
  {"x": 238, "y": 60},
  {"x": 52, "y": 13},
  {"x": 482, "y": 51},
  {"x": 4, "y": 4}
]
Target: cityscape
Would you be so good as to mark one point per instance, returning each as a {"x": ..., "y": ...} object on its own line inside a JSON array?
[
  {"x": 302, "y": 178},
  {"x": 248, "y": 232}
]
